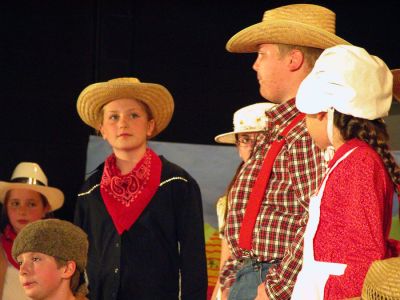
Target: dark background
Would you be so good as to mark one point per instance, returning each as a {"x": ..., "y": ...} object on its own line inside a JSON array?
[{"x": 51, "y": 50}]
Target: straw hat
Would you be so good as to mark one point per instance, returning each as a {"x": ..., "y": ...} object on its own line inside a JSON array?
[
  {"x": 29, "y": 175},
  {"x": 95, "y": 96},
  {"x": 250, "y": 118},
  {"x": 396, "y": 84},
  {"x": 297, "y": 24},
  {"x": 382, "y": 280},
  {"x": 350, "y": 80}
]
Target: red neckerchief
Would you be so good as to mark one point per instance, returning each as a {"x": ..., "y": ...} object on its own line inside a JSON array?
[
  {"x": 7, "y": 240},
  {"x": 126, "y": 196}
]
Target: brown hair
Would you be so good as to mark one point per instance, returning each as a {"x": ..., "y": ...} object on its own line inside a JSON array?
[
  {"x": 4, "y": 220},
  {"x": 310, "y": 54},
  {"x": 75, "y": 279},
  {"x": 372, "y": 132}
]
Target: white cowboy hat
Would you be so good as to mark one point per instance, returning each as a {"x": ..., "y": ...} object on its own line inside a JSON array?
[
  {"x": 306, "y": 25},
  {"x": 29, "y": 175},
  {"x": 92, "y": 99},
  {"x": 250, "y": 118}
]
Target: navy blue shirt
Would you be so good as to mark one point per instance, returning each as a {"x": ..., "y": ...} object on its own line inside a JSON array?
[{"x": 161, "y": 256}]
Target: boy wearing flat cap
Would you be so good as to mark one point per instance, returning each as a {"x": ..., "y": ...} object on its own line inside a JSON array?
[
  {"x": 52, "y": 255},
  {"x": 269, "y": 200}
]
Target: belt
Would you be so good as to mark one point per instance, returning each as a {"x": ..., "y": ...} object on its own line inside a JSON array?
[{"x": 249, "y": 256}]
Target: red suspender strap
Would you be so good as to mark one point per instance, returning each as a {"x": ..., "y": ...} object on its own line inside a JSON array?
[{"x": 258, "y": 190}]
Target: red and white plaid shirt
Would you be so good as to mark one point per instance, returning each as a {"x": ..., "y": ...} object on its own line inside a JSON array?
[{"x": 279, "y": 228}]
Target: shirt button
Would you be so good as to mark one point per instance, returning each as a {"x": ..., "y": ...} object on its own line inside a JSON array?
[{"x": 116, "y": 270}]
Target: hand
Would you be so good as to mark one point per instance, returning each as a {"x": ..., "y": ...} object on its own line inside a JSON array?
[
  {"x": 225, "y": 294},
  {"x": 261, "y": 293}
]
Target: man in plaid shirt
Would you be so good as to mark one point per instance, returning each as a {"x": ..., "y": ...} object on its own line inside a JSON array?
[{"x": 288, "y": 41}]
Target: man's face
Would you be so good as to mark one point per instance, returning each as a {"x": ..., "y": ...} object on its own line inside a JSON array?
[
  {"x": 40, "y": 276},
  {"x": 271, "y": 72}
]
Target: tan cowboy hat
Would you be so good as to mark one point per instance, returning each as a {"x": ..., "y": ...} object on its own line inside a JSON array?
[
  {"x": 29, "y": 175},
  {"x": 382, "y": 280},
  {"x": 306, "y": 25},
  {"x": 95, "y": 96},
  {"x": 396, "y": 84},
  {"x": 250, "y": 118}
]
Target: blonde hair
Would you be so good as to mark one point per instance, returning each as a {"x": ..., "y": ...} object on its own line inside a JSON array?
[{"x": 310, "y": 54}]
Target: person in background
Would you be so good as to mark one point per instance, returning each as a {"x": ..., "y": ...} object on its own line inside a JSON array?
[
  {"x": 25, "y": 198},
  {"x": 248, "y": 122},
  {"x": 345, "y": 97},
  {"x": 269, "y": 200},
  {"x": 143, "y": 214},
  {"x": 52, "y": 255}
]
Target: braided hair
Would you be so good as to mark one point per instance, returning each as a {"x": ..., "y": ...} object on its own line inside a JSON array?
[{"x": 374, "y": 133}]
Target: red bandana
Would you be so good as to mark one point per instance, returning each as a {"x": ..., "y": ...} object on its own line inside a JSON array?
[
  {"x": 7, "y": 240},
  {"x": 126, "y": 196}
]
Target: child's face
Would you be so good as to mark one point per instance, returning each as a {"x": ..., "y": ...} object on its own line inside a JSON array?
[
  {"x": 24, "y": 206},
  {"x": 245, "y": 143},
  {"x": 40, "y": 276},
  {"x": 317, "y": 127},
  {"x": 126, "y": 125}
]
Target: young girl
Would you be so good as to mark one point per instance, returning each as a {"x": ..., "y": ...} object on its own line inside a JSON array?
[
  {"x": 26, "y": 198},
  {"x": 345, "y": 97},
  {"x": 248, "y": 122},
  {"x": 143, "y": 214}
]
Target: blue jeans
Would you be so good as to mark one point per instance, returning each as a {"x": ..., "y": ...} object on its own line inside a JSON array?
[{"x": 248, "y": 278}]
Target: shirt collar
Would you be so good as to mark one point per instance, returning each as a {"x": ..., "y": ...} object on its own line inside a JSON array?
[
  {"x": 281, "y": 114},
  {"x": 343, "y": 149}
]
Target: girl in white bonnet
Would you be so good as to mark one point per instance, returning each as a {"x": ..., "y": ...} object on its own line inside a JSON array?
[{"x": 345, "y": 98}]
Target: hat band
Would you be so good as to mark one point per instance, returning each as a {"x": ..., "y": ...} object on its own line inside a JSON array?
[{"x": 27, "y": 180}]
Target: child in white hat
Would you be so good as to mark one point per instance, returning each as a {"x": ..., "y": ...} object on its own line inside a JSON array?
[
  {"x": 248, "y": 122},
  {"x": 26, "y": 198},
  {"x": 345, "y": 98}
]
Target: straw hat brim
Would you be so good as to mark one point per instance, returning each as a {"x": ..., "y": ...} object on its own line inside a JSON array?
[
  {"x": 282, "y": 32},
  {"x": 54, "y": 196},
  {"x": 396, "y": 84},
  {"x": 382, "y": 280},
  {"x": 229, "y": 137},
  {"x": 95, "y": 96}
]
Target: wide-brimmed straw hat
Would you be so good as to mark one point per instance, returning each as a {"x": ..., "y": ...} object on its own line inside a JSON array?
[
  {"x": 250, "y": 118},
  {"x": 95, "y": 96},
  {"x": 306, "y": 25},
  {"x": 382, "y": 280},
  {"x": 396, "y": 84},
  {"x": 29, "y": 175}
]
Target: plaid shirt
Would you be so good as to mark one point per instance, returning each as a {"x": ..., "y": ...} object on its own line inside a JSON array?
[{"x": 279, "y": 228}]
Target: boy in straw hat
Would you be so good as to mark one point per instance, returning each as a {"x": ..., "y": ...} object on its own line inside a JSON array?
[
  {"x": 52, "y": 255},
  {"x": 142, "y": 213},
  {"x": 269, "y": 200}
]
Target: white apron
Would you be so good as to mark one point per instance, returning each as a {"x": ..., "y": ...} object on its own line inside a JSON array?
[{"x": 311, "y": 280}]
